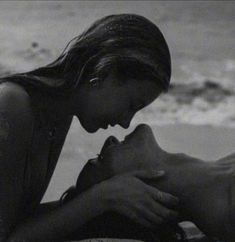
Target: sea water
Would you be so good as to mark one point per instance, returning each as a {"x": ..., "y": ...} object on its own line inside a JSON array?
[{"x": 200, "y": 38}]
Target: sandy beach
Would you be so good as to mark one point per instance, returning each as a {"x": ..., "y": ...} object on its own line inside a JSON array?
[{"x": 196, "y": 116}]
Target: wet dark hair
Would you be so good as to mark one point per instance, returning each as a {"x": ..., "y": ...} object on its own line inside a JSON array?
[{"x": 128, "y": 43}]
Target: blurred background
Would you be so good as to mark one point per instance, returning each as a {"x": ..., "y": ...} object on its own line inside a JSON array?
[
  {"x": 200, "y": 35},
  {"x": 200, "y": 103},
  {"x": 196, "y": 116}
]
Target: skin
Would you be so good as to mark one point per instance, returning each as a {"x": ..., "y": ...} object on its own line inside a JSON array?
[
  {"x": 205, "y": 189},
  {"x": 22, "y": 216},
  {"x": 112, "y": 101}
]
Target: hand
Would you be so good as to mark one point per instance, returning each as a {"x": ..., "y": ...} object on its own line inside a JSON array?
[{"x": 142, "y": 203}]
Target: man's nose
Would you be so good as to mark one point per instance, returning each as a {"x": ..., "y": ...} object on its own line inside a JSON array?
[
  {"x": 112, "y": 140},
  {"x": 143, "y": 129},
  {"x": 108, "y": 142}
]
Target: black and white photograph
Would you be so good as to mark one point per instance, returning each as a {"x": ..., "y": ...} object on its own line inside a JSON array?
[{"x": 117, "y": 121}]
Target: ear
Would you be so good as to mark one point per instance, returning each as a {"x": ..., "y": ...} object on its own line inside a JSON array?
[{"x": 94, "y": 82}]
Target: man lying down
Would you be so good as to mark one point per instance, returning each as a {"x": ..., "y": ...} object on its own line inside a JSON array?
[{"x": 206, "y": 189}]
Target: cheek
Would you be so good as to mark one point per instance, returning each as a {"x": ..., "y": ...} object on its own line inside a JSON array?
[
  {"x": 121, "y": 104},
  {"x": 148, "y": 155},
  {"x": 125, "y": 162},
  {"x": 91, "y": 113}
]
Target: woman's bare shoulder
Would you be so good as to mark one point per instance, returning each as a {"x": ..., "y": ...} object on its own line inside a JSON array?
[
  {"x": 15, "y": 136},
  {"x": 13, "y": 91},
  {"x": 14, "y": 99},
  {"x": 16, "y": 116}
]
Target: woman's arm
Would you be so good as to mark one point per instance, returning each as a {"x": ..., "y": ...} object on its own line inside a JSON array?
[
  {"x": 16, "y": 124},
  {"x": 58, "y": 224},
  {"x": 15, "y": 130},
  {"x": 47, "y": 207}
]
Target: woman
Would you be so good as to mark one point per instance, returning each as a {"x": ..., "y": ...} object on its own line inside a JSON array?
[{"x": 107, "y": 74}]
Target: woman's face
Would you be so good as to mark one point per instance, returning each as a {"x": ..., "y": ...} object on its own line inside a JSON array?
[{"x": 113, "y": 101}]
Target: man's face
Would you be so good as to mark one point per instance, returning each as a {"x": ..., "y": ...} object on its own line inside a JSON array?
[{"x": 136, "y": 152}]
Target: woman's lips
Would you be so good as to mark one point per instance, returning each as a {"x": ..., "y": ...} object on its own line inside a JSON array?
[{"x": 106, "y": 123}]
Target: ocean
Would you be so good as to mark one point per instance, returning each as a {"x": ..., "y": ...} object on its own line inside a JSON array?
[{"x": 200, "y": 36}]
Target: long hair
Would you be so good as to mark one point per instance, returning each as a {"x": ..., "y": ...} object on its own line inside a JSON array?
[{"x": 130, "y": 43}]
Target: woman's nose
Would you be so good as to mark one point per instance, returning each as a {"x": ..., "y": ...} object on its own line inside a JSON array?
[{"x": 125, "y": 123}]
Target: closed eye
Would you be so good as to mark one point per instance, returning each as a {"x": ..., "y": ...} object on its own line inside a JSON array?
[{"x": 99, "y": 157}]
